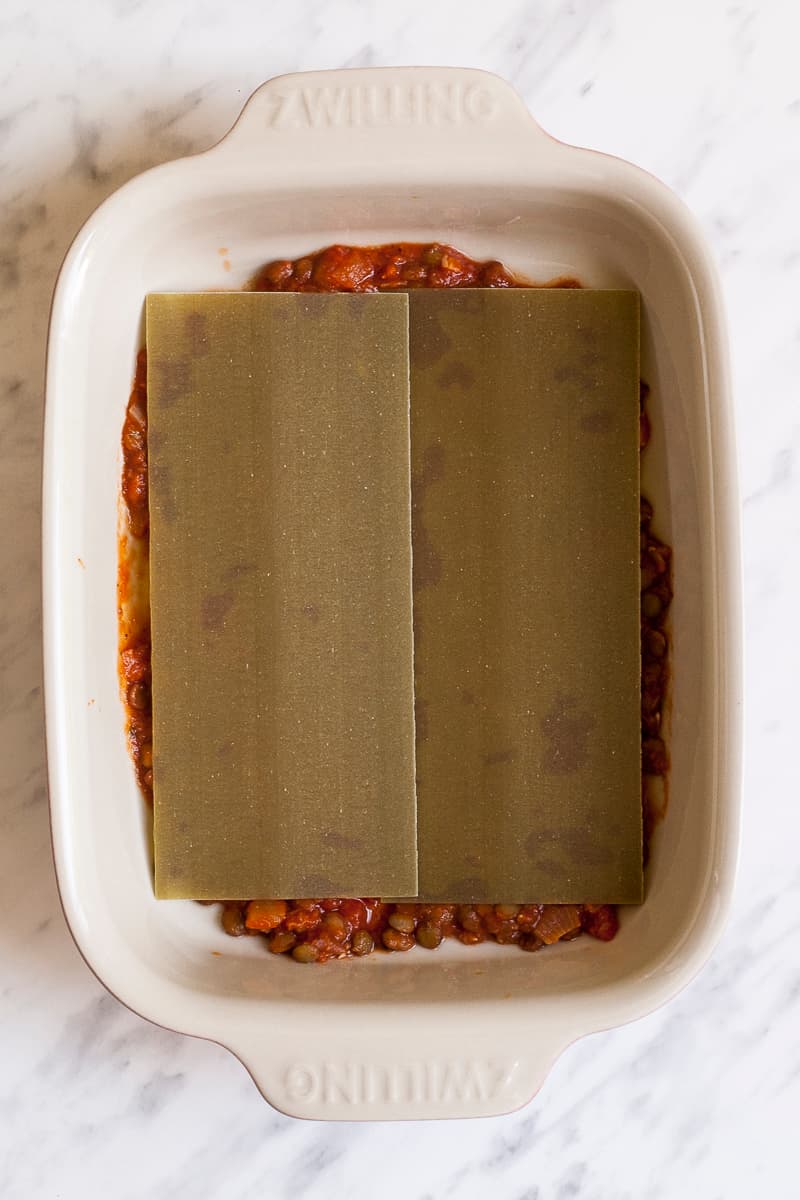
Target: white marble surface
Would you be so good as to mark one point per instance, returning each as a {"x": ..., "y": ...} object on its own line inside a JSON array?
[{"x": 698, "y": 1100}]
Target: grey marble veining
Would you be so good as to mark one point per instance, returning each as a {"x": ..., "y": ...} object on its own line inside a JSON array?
[{"x": 697, "y": 1100}]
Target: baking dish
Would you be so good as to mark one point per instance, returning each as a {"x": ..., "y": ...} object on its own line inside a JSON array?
[{"x": 412, "y": 154}]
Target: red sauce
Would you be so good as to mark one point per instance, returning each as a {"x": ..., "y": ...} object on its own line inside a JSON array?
[{"x": 317, "y": 930}]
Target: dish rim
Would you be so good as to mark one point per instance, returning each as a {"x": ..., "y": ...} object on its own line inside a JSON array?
[{"x": 727, "y": 564}]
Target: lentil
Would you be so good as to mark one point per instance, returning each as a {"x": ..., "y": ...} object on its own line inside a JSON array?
[
  {"x": 402, "y": 922},
  {"x": 233, "y": 919},
  {"x": 468, "y": 918},
  {"x": 651, "y": 605},
  {"x": 362, "y": 943},
  {"x": 506, "y": 933},
  {"x": 507, "y": 911},
  {"x": 470, "y": 937},
  {"x": 429, "y": 935},
  {"x": 305, "y": 953},
  {"x": 281, "y": 940},
  {"x": 393, "y": 939},
  {"x": 335, "y": 926}
]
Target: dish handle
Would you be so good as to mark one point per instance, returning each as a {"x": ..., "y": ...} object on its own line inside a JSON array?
[
  {"x": 350, "y": 124},
  {"x": 427, "y": 1074}
]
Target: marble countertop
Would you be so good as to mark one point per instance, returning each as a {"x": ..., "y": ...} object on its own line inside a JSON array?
[{"x": 697, "y": 1100}]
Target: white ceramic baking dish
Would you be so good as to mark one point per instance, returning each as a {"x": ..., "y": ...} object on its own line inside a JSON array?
[{"x": 365, "y": 157}]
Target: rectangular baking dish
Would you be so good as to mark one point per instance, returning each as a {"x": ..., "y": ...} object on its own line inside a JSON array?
[{"x": 411, "y": 154}]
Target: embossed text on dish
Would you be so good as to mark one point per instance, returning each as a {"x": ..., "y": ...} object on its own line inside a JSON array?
[
  {"x": 366, "y": 105},
  {"x": 402, "y": 1083}
]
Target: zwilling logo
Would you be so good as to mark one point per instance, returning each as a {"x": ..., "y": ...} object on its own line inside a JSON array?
[
  {"x": 366, "y": 1083},
  {"x": 370, "y": 105}
]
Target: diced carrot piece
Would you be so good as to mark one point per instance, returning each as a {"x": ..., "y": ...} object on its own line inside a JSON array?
[{"x": 265, "y": 915}]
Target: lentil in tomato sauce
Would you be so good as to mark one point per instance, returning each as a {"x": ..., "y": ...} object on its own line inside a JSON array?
[{"x": 315, "y": 930}]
